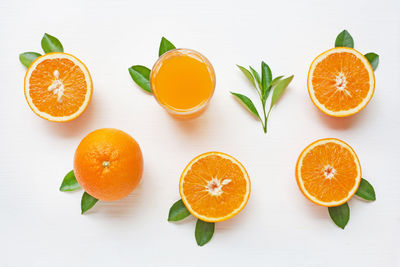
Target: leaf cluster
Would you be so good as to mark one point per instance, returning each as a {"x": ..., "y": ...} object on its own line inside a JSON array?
[
  {"x": 203, "y": 231},
  {"x": 344, "y": 39},
  {"x": 264, "y": 85},
  {"x": 70, "y": 183},
  {"x": 340, "y": 215},
  {"x": 49, "y": 44}
]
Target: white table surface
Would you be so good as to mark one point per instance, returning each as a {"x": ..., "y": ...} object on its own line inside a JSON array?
[{"x": 41, "y": 226}]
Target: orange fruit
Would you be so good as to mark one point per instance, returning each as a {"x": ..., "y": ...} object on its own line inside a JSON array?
[
  {"x": 58, "y": 87},
  {"x": 108, "y": 164},
  {"x": 328, "y": 172},
  {"x": 341, "y": 82},
  {"x": 214, "y": 187}
]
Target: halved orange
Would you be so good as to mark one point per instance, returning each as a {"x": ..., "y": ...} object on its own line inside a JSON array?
[
  {"x": 214, "y": 187},
  {"x": 341, "y": 82},
  {"x": 58, "y": 87},
  {"x": 328, "y": 172}
]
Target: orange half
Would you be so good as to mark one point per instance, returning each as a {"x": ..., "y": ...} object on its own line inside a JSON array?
[
  {"x": 58, "y": 87},
  {"x": 341, "y": 82},
  {"x": 328, "y": 172},
  {"x": 214, "y": 187}
]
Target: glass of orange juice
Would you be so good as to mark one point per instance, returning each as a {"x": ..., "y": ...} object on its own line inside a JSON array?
[{"x": 183, "y": 82}]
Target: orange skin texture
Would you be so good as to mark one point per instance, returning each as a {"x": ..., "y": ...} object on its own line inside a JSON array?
[{"x": 125, "y": 164}]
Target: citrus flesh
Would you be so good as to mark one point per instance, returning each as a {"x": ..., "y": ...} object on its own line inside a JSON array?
[
  {"x": 328, "y": 172},
  {"x": 58, "y": 87},
  {"x": 214, "y": 187},
  {"x": 108, "y": 164},
  {"x": 341, "y": 82}
]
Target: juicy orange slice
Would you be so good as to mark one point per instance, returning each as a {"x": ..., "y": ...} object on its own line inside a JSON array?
[
  {"x": 328, "y": 172},
  {"x": 58, "y": 87},
  {"x": 341, "y": 82},
  {"x": 214, "y": 187}
]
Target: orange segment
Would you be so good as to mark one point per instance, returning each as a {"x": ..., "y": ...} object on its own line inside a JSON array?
[
  {"x": 341, "y": 82},
  {"x": 214, "y": 187},
  {"x": 58, "y": 87},
  {"x": 328, "y": 172}
]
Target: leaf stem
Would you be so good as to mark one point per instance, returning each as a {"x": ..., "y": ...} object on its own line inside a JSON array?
[
  {"x": 263, "y": 123},
  {"x": 258, "y": 92},
  {"x": 264, "y": 126},
  {"x": 266, "y": 119},
  {"x": 269, "y": 111}
]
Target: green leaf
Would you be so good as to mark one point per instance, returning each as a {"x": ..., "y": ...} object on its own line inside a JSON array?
[
  {"x": 204, "y": 232},
  {"x": 165, "y": 46},
  {"x": 248, "y": 103},
  {"x": 141, "y": 76},
  {"x": 279, "y": 89},
  {"x": 248, "y": 75},
  {"x": 344, "y": 39},
  {"x": 340, "y": 215},
  {"x": 276, "y": 80},
  {"x": 373, "y": 60},
  {"x": 178, "y": 211},
  {"x": 28, "y": 57},
  {"x": 51, "y": 44},
  {"x": 366, "y": 191},
  {"x": 69, "y": 183},
  {"x": 266, "y": 78},
  {"x": 256, "y": 76},
  {"x": 87, "y": 202}
]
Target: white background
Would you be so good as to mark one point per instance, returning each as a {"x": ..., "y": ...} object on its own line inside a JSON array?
[{"x": 41, "y": 226}]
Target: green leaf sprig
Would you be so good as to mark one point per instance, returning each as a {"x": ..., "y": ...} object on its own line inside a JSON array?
[
  {"x": 340, "y": 215},
  {"x": 344, "y": 39},
  {"x": 141, "y": 74},
  {"x": 204, "y": 231},
  {"x": 49, "y": 44},
  {"x": 71, "y": 184},
  {"x": 263, "y": 86}
]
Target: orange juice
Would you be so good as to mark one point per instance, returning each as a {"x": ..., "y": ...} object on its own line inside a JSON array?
[{"x": 183, "y": 82}]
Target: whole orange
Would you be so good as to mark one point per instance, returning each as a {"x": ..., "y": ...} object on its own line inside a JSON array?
[{"x": 108, "y": 164}]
